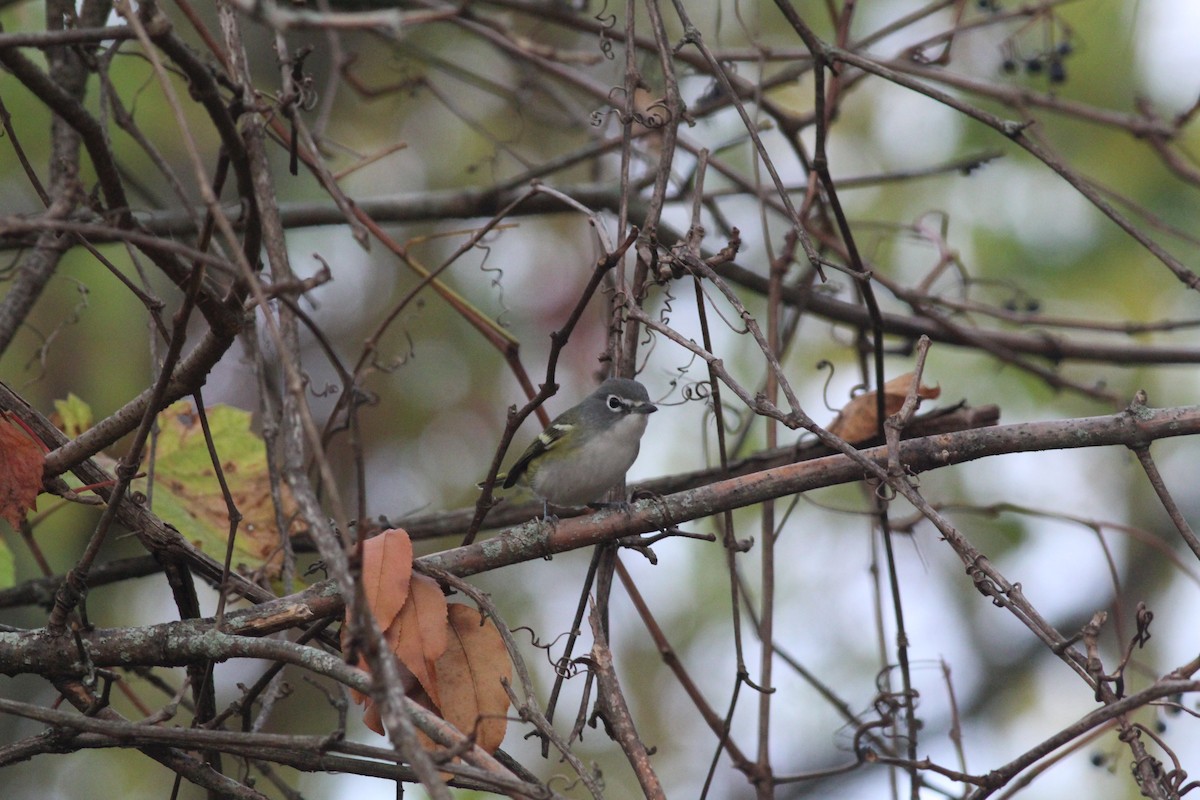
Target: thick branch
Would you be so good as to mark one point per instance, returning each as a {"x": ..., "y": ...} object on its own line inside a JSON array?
[{"x": 530, "y": 541}]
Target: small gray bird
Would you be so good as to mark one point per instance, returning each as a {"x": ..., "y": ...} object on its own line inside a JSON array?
[{"x": 587, "y": 449}]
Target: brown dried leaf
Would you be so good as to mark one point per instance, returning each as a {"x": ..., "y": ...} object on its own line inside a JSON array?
[
  {"x": 419, "y": 634},
  {"x": 371, "y": 716},
  {"x": 469, "y": 677},
  {"x": 856, "y": 422},
  {"x": 21, "y": 463},
  {"x": 386, "y": 574},
  {"x": 452, "y": 660}
]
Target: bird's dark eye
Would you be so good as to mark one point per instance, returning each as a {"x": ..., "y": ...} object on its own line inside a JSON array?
[{"x": 614, "y": 403}]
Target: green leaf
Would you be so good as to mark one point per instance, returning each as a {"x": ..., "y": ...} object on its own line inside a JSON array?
[
  {"x": 187, "y": 494},
  {"x": 74, "y": 415},
  {"x": 8, "y": 573}
]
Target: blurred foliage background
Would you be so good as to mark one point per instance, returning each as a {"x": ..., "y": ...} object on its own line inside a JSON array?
[{"x": 1079, "y": 529}]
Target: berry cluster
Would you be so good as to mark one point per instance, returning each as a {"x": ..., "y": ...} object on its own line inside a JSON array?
[{"x": 1047, "y": 57}]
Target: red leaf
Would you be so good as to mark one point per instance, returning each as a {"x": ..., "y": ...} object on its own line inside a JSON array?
[{"x": 21, "y": 463}]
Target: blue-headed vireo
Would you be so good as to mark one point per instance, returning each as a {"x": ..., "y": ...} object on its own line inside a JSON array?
[{"x": 587, "y": 449}]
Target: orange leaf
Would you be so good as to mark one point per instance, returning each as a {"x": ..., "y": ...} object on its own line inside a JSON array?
[
  {"x": 386, "y": 571},
  {"x": 419, "y": 633},
  {"x": 21, "y": 462},
  {"x": 856, "y": 422},
  {"x": 371, "y": 716},
  {"x": 469, "y": 675},
  {"x": 386, "y": 575}
]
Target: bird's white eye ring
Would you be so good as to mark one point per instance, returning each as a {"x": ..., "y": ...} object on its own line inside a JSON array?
[{"x": 614, "y": 403}]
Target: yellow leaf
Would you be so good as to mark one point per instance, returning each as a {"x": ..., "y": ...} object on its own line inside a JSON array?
[
  {"x": 72, "y": 416},
  {"x": 186, "y": 492}
]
